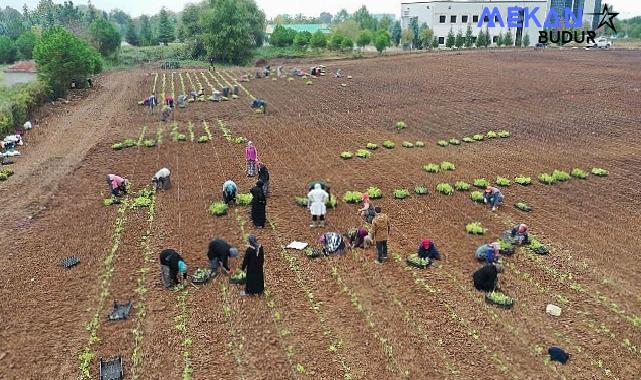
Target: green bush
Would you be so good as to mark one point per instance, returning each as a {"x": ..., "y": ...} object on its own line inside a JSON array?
[
  {"x": 352, "y": 197},
  {"x": 578, "y": 173},
  {"x": 347, "y": 155},
  {"x": 504, "y": 134},
  {"x": 475, "y": 228},
  {"x": 18, "y": 102},
  {"x": 301, "y": 201},
  {"x": 454, "y": 142},
  {"x": 149, "y": 143},
  {"x": 432, "y": 168},
  {"x": 203, "y": 139},
  {"x": 407, "y": 144},
  {"x": 462, "y": 186},
  {"x": 25, "y": 44},
  {"x": 478, "y": 137},
  {"x": 491, "y": 134},
  {"x": 599, "y": 172},
  {"x": 372, "y": 146},
  {"x": 400, "y": 125},
  {"x": 481, "y": 183},
  {"x": 419, "y": 144},
  {"x": 401, "y": 193},
  {"x": 445, "y": 188},
  {"x": 363, "y": 153},
  {"x": 442, "y": 143},
  {"x": 244, "y": 199},
  {"x": 501, "y": 181},
  {"x": 388, "y": 144},
  {"x": 447, "y": 166},
  {"x": 546, "y": 178},
  {"x": 560, "y": 175},
  {"x": 468, "y": 140},
  {"x": 420, "y": 190},
  {"x": 8, "y": 51},
  {"x": 524, "y": 181},
  {"x": 218, "y": 208},
  {"x": 374, "y": 192},
  {"x": 476, "y": 196}
]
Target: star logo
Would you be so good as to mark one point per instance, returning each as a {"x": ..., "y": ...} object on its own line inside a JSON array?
[{"x": 607, "y": 18}]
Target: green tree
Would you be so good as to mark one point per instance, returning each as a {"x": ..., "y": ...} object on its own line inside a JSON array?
[
  {"x": 8, "y": 51},
  {"x": 104, "y": 36},
  {"x": 335, "y": 42},
  {"x": 62, "y": 58},
  {"x": 364, "y": 19},
  {"x": 427, "y": 35},
  {"x": 340, "y": 17},
  {"x": 501, "y": 40},
  {"x": 487, "y": 37},
  {"x": 364, "y": 39},
  {"x": 396, "y": 33},
  {"x": 325, "y": 18},
  {"x": 190, "y": 19},
  {"x": 382, "y": 40},
  {"x": 460, "y": 39},
  {"x": 256, "y": 20},
  {"x": 319, "y": 40},
  {"x": 421, "y": 43},
  {"x": 229, "y": 34},
  {"x": 416, "y": 41},
  {"x": 508, "y": 40},
  {"x": 25, "y": 44},
  {"x": 281, "y": 36},
  {"x": 526, "y": 40},
  {"x": 165, "y": 28},
  {"x": 132, "y": 36},
  {"x": 347, "y": 44},
  {"x": 407, "y": 38},
  {"x": 302, "y": 39},
  {"x": 146, "y": 35},
  {"x": 435, "y": 43},
  {"x": 385, "y": 23},
  {"x": 451, "y": 39},
  {"x": 469, "y": 37}
]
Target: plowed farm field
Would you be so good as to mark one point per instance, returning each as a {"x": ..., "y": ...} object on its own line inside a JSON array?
[{"x": 335, "y": 317}]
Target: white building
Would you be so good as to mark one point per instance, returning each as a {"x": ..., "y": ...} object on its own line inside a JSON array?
[{"x": 443, "y": 15}]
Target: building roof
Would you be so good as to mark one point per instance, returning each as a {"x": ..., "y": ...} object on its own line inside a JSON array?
[{"x": 312, "y": 28}]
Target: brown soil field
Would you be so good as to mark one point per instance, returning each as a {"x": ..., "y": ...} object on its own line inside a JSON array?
[{"x": 335, "y": 317}]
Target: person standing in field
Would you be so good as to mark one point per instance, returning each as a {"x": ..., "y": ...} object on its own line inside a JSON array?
[
  {"x": 316, "y": 202},
  {"x": 251, "y": 155},
  {"x": 263, "y": 176},
  {"x": 259, "y": 205},
  {"x": 253, "y": 266},
  {"x": 380, "y": 234}
]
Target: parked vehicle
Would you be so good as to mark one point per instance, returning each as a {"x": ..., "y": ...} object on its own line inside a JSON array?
[{"x": 600, "y": 42}]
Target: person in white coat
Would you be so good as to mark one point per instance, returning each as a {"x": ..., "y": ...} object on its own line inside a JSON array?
[{"x": 316, "y": 200}]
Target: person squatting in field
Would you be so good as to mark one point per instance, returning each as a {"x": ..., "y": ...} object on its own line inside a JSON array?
[
  {"x": 488, "y": 252},
  {"x": 493, "y": 197},
  {"x": 117, "y": 185},
  {"x": 486, "y": 278},
  {"x": 229, "y": 192},
  {"x": 520, "y": 234},
  {"x": 333, "y": 243},
  {"x": 218, "y": 254},
  {"x": 259, "y": 104},
  {"x": 360, "y": 238},
  {"x": 161, "y": 180},
  {"x": 251, "y": 156},
  {"x": 427, "y": 250},
  {"x": 171, "y": 264},
  {"x": 316, "y": 202},
  {"x": 169, "y": 101}
]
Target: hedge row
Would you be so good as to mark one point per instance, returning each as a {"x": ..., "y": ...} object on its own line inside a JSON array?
[{"x": 18, "y": 101}]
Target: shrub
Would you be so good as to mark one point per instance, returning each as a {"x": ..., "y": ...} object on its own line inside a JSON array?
[
  {"x": 407, "y": 144},
  {"x": 203, "y": 139},
  {"x": 218, "y": 208},
  {"x": 468, "y": 140},
  {"x": 442, "y": 143},
  {"x": 578, "y": 173},
  {"x": 561, "y": 175},
  {"x": 546, "y": 179},
  {"x": 352, "y": 197},
  {"x": 149, "y": 143},
  {"x": 475, "y": 228},
  {"x": 447, "y": 166},
  {"x": 400, "y": 125},
  {"x": 420, "y": 190},
  {"x": 372, "y": 146},
  {"x": 17, "y": 103},
  {"x": 389, "y": 144},
  {"x": 501, "y": 181},
  {"x": 445, "y": 188},
  {"x": 454, "y": 142},
  {"x": 504, "y": 134},
  {"x": 374, "y": 192},
  {"x": 347, "y": 155},
  {"x": 524, "y": 181},
  {"x": 8, "y": 51},
  {"x": 244, "y": 199},
  {"x": 419, "y": 144},
  {"x": 599, "y": 172},
  {"x": 476, "y": 196},
  {"x": 478, "y": 137},
  {"x": 401, "y": 193},
  {"x": 181, "y": 137},
  {"x": 481, "y": 183},
  {"x": 432, "y": 168},
  {"x": 491, "y": 134},
  {"x": 462, "y": 186},
  {"x": 363, "y": 153}
]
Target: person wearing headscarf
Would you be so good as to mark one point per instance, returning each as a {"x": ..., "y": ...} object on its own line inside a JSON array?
[
  {"x": 161, "y": 180},
  {"x": 488, "y": 252},
  {"x": 263, "y": 176},
  {"x": 520, "y": 234},
  {"x": 367, "y": 212},
  {"x": 427, "y": 250},
  {"x": 493, "y": 197},
  {"x": 360, "y": 238},
  {"x": 259, "y": 205},
  {"x": 218, "y": 253},
  {"x": 251, "y": 156},
  {"x": 486, "y": 278},
  {"x": 117, "y": 185},
  {"x": 333, "y": 243},
  {"x": 380, "y": 234},
  {"x": 171, "y": 263},
  {"x": 316, "y": 200},
  {"x": 229, "y": 191},
  {"x": 253, "y": 266}
]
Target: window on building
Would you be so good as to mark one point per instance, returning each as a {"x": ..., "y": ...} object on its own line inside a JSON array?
[
  {"x": 495, "y": 39},
  {"x": 441, "y": 40},
  {"x": 496, "y": 18},
  {"x": 441, "y": 19},
  {"x": 486, "y": 19},
  {"x": 453, "y": 19},
  {"x": 475, "y": 18},
  {"x": 473, "y": 39},
  {"x": 464, "y": 19}
]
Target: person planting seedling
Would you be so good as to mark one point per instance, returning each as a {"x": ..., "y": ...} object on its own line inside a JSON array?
[
  {"x": 360, "y": 238},
  {"x": 486, "y": 278},
  {"x": 171, "y": 264},
  {"x": 259, "y": 105},
  {"x": 493, "y": 197},
  {"x": 229, "y": 191},
  {"x": 488, "y": 253},
  {"x": 427, "y": 250},
  {"x": 117, "y": 185},
  {"x": 218, "y": 254},
  {"x": 333, "y": 243},
  {"x": 161, "y": 180},
  {"x": 520, "y": 234}
]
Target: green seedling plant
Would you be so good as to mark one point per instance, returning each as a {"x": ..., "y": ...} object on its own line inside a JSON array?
[
  {"x": 332, "y": 202},
  {"x": 476, "y": 196},
  {"x": 309, "y": 83},
  {"x": 468, "y": 140},
  {"x": 117, "y": 146},
  {"x": 419, "y": 144},
  {"x": 523, "y": 206},
  {"x": 388, "y": 144},
  {"x": 372, "y": 146},
  {"x": 240, "y": 140},
  {"x": 447, "y": 166},
  {"x": 445, "y": 188},
  {"x": 500, "y": 298},
  {"x": 462, "y": 186},
  {"x": 203, "y": 139},
  {"x": 504, "y": 134},
  {"x": 491, "y": 134},
  {"x": 149, "y": 143},
  {"x": 432, "y": 168},
  {"x": 238, "y": 276},
  {"x": 561, "y": 176},
  {"x": 401, "y": 193},
  {"x": 181, "y": 137},
  {"x": 416, "y": 261},
  {"x": 400, "y": 125},
  {"x": 301, "y": 201},
  {"x": 599, "y": 172},
  {"x": 352, "y": 197},
  {"x": 442, "y": 143},
  {"x": 504, "y": 245},
  {"x": 481, "y": 183},
  {"x": 547, "y": 179},
  {"x": 478, "y": 137},
  {"x": 347, "y": 155},
  {"x": 190, "y": 129},
  {"x": 523, "y": 181},
  {"x": 475, "y": 228},
  {"x": 407, "y": 144},
  {"x": 201, "y": 274},
  {"x": 128, "y": 143},
  {"x": 244, "y": 199},
  {"x": 420, "y": 190},
  {"x": 374, "y": 193},
  {"x": 363, "y": 153},
  {"x": 502, "y": 181},
  {"x": 454, "y": 142},
  {"x": 218, "y": 208},
  {"x": 5, "y": 174},
  {"x": 578, "y": 173}
]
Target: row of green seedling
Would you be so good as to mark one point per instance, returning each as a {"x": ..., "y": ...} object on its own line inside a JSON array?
[
  {"x": 474, "y": 138},
  {"x": 237, "y": 343},
  {"x": 181, "y": 326},
  {"x": 240, "y": 85}
]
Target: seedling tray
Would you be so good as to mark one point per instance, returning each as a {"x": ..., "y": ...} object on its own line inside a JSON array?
[
  {"x": 499, "y": 305},
  {"x": 111, "y": 369},
  {"x": 70, "y": 261},
  {"x": 507, "y": 252},
  {"x": 119, "y": 311}
]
